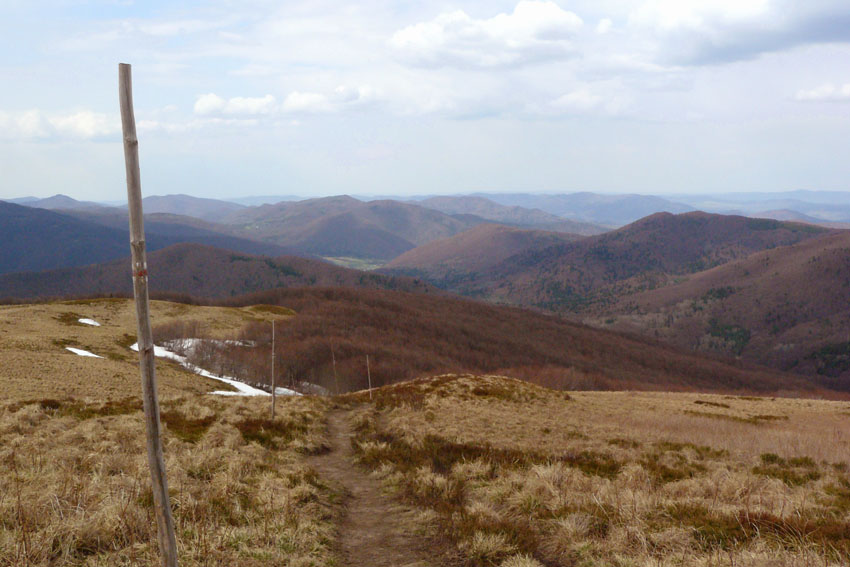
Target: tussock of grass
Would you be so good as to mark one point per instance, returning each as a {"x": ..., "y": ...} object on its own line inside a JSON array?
[
  {"x": 74, "y": 484},
  {"x": 523, "y": 477},
  {"x": 70, "y": 318}
]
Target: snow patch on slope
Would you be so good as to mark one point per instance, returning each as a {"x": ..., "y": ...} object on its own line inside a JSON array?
[
  {"x": 243, "y": 389},
  {"x": 81, "y": 352}
]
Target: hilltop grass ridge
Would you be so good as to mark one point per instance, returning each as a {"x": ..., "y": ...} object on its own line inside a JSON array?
[{"x": 514, "y": 474}]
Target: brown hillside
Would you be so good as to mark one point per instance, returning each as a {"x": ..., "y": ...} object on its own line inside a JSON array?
[
  {"x": 788, "y": 307},
  {"x": 407, "y": 335},
  {"x": 599, "y": 269},
  {"x": 479, "y": 248},
  {"x": 198, "y": 270},
  {"x": 343, "y": 226}
]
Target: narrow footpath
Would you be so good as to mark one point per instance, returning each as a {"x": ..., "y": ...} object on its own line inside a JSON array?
[{"x": 374, "y": 530}]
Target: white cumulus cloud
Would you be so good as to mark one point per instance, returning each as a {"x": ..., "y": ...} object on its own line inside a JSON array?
[
  {"x": 826, "y": 92},
  {"x": 37, "y": 125},
  {"x": 534, "y": 31},
  {"x": 340, "y": 98},
  {"x": 211, "y": 103},
  {"x": 85, "y": 124}
]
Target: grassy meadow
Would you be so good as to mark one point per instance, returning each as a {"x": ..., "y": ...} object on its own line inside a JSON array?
[
  {"x": 517, "y": 475},
  {"x": 74, "y": 482},
  {"x": 502, "y": 473}
]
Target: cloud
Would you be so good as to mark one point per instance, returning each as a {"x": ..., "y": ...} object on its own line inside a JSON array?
[
  {"x": 177, "y": 27},
  {"x": 535, "y": 31},
  {"x": 211, "y": 103},
  {"x": 342, "y": 97},
  {"x": 37, "y": 125},
  {"x": 695, "y": 32},
  {"x": 826, "y": 92},
  {"x": 578, "y": 100}
]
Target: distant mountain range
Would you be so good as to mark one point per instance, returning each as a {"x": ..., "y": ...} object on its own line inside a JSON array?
[
  {"x": 201, "y": 271},
  {"x": 576, "y": 275},
  {"x": 768, "y": 291},
  {"x": 38, "y": 239}
]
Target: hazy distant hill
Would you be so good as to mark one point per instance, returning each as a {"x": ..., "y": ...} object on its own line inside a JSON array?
[
  {"x": 610, "y": 210},
  {"x": 61, "y": 202},
  {"x": 788, "y": 307},
  {"x": 166, "y": 229},
  {"x": 37, "y": 239},
  {"x": 598, "y": 269},
  {"x": 199, "y": 270},
  {"x": 206, "y": 209},
  {"x": 510, "y": 215},
  {"x": 336, "y": 226},
  {"x": 457, "y": 259}
]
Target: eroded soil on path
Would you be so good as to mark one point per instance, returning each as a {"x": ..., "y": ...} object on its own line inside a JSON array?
[{"x": 374, "y": 530}]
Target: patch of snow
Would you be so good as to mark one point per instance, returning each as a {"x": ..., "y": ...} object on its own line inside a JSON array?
[
  {"x": 243, "y": 389},
  {"x": 91, "y": 322},
  {"x": 81, "y": 352}
]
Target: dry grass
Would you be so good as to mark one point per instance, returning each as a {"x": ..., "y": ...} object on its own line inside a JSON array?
[
  {"x": 74, "y": 484},
  {"x": 520, "y": 475},
  {"x": 36, "y": 364}
]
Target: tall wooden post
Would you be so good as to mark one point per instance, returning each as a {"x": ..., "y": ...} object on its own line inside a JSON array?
[
  {"x": 162, "y": 505},
  {"x": 369, "y": 376},
  {"x": 274, "y": 383}
]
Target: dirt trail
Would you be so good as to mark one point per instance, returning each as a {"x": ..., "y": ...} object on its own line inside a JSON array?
[{"x": 374, "y": 531}]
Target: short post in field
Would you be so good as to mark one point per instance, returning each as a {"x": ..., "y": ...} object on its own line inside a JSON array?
[
  {"x": 369, "y": 376},
  {"x": 274, "y": 383},
  {"x": 333, "y": 362},
  {"x": 159, "y": 484}
]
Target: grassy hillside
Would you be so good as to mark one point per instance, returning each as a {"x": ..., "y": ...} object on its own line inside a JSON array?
[
  {"x": 482, "y": 470},
  {"x": 520, "y": 476},
  {"x": 197, "y": 270},
  {"x": 788, "y": 307},
  {"x": 74, "y": 483}
]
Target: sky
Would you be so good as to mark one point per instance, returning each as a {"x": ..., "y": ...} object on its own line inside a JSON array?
[{"x": 402, "y": 97}]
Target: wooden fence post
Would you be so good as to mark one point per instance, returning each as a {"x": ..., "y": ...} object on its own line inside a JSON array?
[
  {"x": 162, "y": 505},
  {"x": 333, "y": 361},
  {"x": 274, "y": 383},
  {"x": 369, "y": 376}
]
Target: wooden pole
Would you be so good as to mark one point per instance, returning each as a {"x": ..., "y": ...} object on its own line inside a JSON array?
[
  {"x": 333, "y": 360},
  {"x": 369, "y": 376},
  {"x": 274, "y": 383},
  {"x": 156, "y": 463}
]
